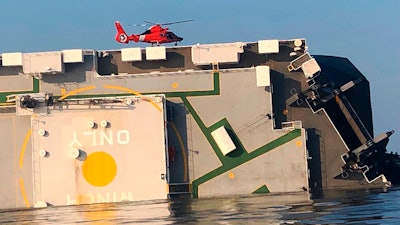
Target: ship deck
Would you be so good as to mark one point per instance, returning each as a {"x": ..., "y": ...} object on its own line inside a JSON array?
[{"x": 200, "y": 99}]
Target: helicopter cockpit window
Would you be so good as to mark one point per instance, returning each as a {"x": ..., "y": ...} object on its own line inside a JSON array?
[
  {"x": 146, "y": 32},
  {"x": 170, "y": 35}
]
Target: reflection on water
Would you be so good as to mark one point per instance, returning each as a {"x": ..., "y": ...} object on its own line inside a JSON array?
[{"x": 330, "y": 207}]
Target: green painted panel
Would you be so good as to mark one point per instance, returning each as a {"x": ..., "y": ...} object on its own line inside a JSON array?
[{"x": 262, "y": 190}]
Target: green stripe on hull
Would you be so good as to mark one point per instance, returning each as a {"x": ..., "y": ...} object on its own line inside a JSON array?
[
  {"x": 230, "y": 158},
  {"x": 215, "y": 91}
]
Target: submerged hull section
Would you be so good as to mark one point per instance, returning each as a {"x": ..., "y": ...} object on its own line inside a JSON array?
[{"x": 205, "y": 120}]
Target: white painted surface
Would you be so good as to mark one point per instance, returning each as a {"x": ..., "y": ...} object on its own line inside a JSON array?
[
  {"x": 156, "y": 53},
  {"x": 268, "y": 46},
  {"x": 12, "y": 59},
  {"x": 263, "y": 76},
  {"x": 43, "y": 62},
  {"x": 223, "y": 140},
  {"x": 131, "y": 54},
  {"x": 216, "y": 53},
  {"x": 72, "y": 56}
]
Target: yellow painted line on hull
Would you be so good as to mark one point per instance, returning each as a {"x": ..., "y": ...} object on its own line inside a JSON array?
[
  {"x": 22, "y": 153},
  {"x": 23, "y": 192},
  {"x": 132, "y": 92},
  {"x": 76, "y": 91},
  {"x": 185, "y": 173}
]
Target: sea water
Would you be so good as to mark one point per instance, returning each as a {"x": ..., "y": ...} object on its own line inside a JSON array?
[{"x": 378, "y": 206}]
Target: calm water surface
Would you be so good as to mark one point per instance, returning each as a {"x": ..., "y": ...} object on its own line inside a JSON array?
[{"x": 333, "y": 207}]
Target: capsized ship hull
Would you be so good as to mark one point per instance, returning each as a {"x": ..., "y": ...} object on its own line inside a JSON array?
[{"x": 87, "y": 126}]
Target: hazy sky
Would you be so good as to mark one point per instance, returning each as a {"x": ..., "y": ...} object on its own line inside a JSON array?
[{"x": 365, "y": 31}]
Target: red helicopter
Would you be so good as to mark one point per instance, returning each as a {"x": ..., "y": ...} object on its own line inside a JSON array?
[{"x": 156, "y": 34}]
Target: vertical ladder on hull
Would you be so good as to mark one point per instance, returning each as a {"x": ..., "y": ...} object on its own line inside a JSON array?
[
  {"x": 35, "y": 160},
  {"x": 189, "y": 150}
]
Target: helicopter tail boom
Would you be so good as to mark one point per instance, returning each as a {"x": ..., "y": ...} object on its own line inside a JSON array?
[{"x": 121, "y": 35}]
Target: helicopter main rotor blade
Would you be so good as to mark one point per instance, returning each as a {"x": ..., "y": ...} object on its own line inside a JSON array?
[
  {"x": 183, "y": 21},
  {"x": 137, "y": 25},
  {"x": 150, "y": 23},
  {"x": 147, "y": 23}
]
